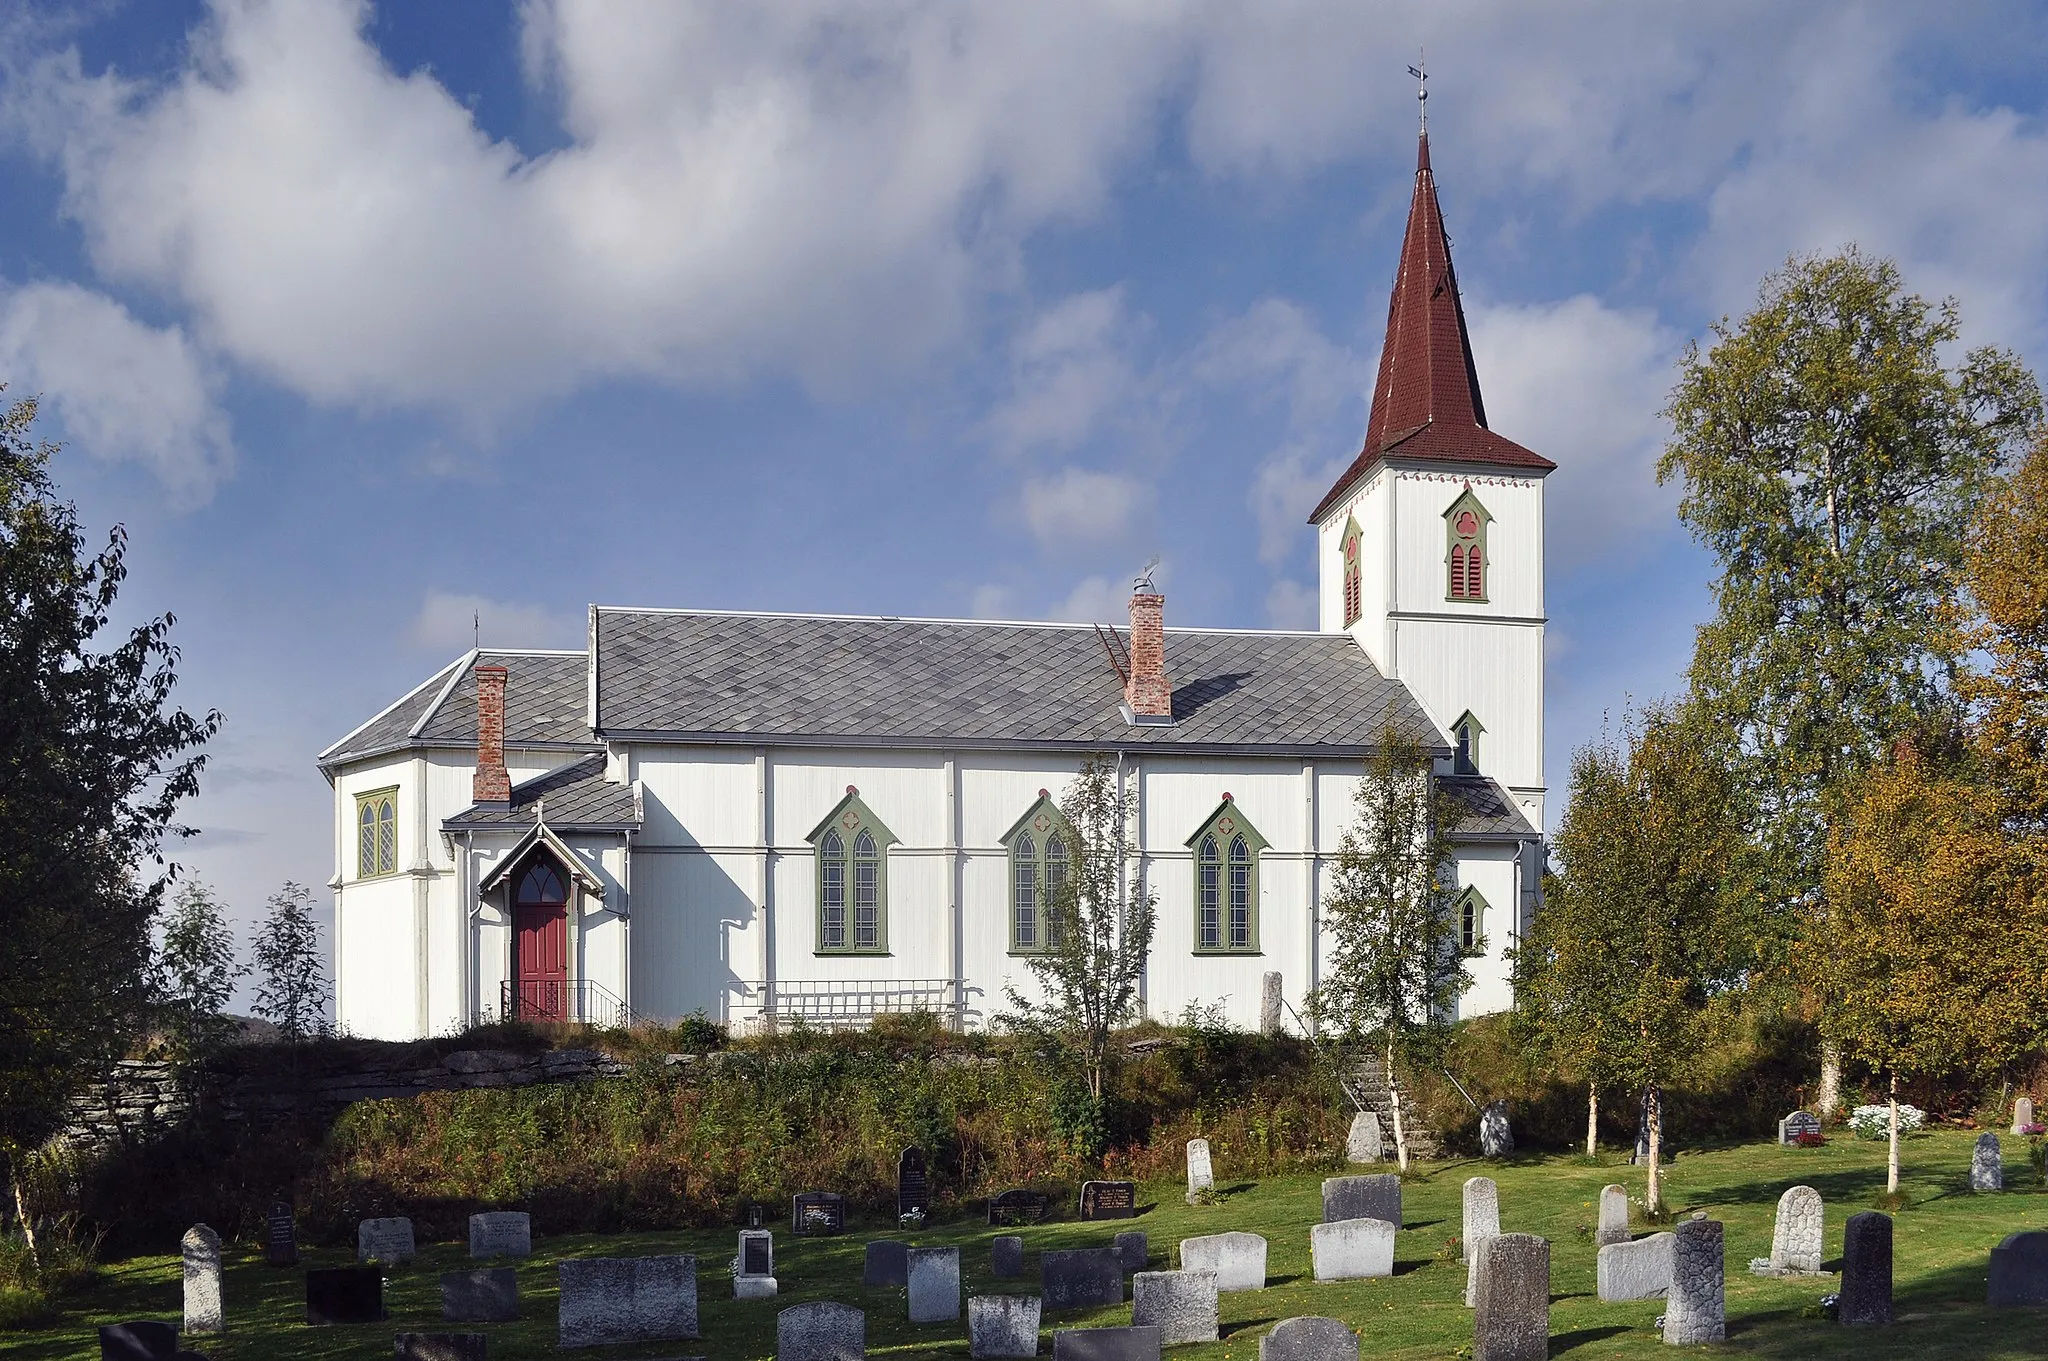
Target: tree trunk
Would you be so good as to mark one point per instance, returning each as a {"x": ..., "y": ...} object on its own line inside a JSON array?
[
  {"x": 1592, "y": 1119},
  {"x": 1829, "y": 1102},
  {"x": 1653, "y": 1194},
  {"x": 1394, "y": 1101},
  {"x": 1891, "y": 1171},
  {"x": 28, "y": 1226}
]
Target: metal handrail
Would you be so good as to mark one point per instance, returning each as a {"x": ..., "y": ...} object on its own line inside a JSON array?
[{"x": 563, "y": 1002}]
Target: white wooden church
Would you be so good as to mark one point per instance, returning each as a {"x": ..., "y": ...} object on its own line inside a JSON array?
[{"x": 766, "y": 816}]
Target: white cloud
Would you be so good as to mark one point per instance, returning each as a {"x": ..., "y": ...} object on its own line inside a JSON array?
[
  {"x": 1076, "y": 505},
  {"x": 121, "y": 390},
  {"x": 1290, "y": 605},
  {"x": 1071, "y": 376},
  {"x": 1097, "y": 600},
  {"x": 447, "y": 621}
]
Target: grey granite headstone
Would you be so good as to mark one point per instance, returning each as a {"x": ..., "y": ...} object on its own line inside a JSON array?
[
  {"x": 501, "y": 1233},
  {"x": 1794, "y": 1125},
  {"x": 280, "y": 1236},
  {"x": 1377, "y": 1196},
  {"x": 1482, "y": 1213},
  {"x": 1613, "y": 1216},
  {"x": 606, "y": 1300},
  {"x": 1309, "y": 1339},
  {"x": 1987, "y": 1164},
  {"x": 1201, "y": 1177},
  {"x": 140, "y": 1340},
  {"x": 1867, "y": 1269},
  {"x": 1181, "y": 1304},
  {"x": 1638, "y": 1270},
  {"x": 2019, "y": 1270},
  {"x": 1352, "y": 1249},
  {"x": 1002, "y": 1326},
  {"x": 2022, "y": 1114},
  {"x": 1132, "y": 1251},
  {"x": 887, "y": 1265},
  {"x": 1269, "y": 1004},
  {"x": 1496, "y": 1139},
  {"x": 1511, "y": 1299},
  {"x": 821, "y": 1331},
  {"x": 1802, "y": 1224},
  {"x": 438, "y": 1347},
  {"x": 934, "y": 1285},
  {"x": 1006, "y": 1257},
  {"x": 200, "y": 1248},
  {"x": 1697, "y": 1307},
  {"x": 1106, "y": 1344},
  {"x": 387, "y": 1241},
  {"x": 347, "y": 1294},
  {"x": 1238, "y": 1259},
  {"x": 1080, "y": 1278},
  {"x": 1364, "y": 1144},
  {"x": 485, "y": 1295}
]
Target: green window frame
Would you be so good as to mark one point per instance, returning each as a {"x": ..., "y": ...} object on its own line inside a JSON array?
[
  {"x": 1226, "y": 883},
  {"x": 1350, "y": 551},
  {"x": 1043, "y": 848},
  {"x": 1472, "y": 920},
  {"x": 1467, "y": 561},
  {"x": 851, "y": 848},
  {"x": 1465, "y": 732},
  {"x": 377, "y": 833}
]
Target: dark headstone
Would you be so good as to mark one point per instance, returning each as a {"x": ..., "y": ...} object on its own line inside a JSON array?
[
  {"x": 817, "y": 1212},
  {"x": 1019, "y": 1207},
  {"x": 1003, "y": 1326},
  {"x": 1080, "y": 1278},
  {"x": 1132, "y": 1251},
  {"x": 757, "y": 1254},
  {"x": 280, "y": 1236},
  {"x": 1109, "y": 1199},
  {"x": 486, "y": 1295},
  {"x": 1309, "y": 1339},
  {"x": 913, "y": 1186},
  {"x": 888, "y": 1265},
  {"x": 1987, "y": 1164},
  {"x": 1696, "y": 1307},
  {"x": 1106, "y": 1344},
  {"x": 1867, "y": 1269},
  {"x": 142, "y": 1340},
  {"x": 1511, "y": 1298},
  {"x": 1006, "y": 1257},
  {"x": 1377, "y": 1196},
  {"x": 438, "y": 1347},
  {"x": 345, "y": 1294},
  {"x": 606, "y": 1300},
  {"x": 2019, "y": 1270},
  {"x": 1796, "y": 1124}
]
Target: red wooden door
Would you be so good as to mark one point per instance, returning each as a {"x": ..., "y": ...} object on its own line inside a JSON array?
[{"x": 540, "y": 944}]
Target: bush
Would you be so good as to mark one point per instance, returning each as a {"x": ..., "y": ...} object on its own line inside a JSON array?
[{"x": 1875, "y": 1122}]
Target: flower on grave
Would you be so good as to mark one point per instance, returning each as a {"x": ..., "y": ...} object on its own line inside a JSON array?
[
  {"x": 1875, "y": 1122},
  {"x": 911, "y": 1219},
  {"x": 2032, "y": 1131},
  {"x": 733, "y": 1269},
  {"x": 1813, "y": 1138}
]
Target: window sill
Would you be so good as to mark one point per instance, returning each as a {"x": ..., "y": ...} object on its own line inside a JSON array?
[
  {"x": 840, "y": 954},
  {"x": 1029, "y": 954},
  {"x": 374, "y": 878},
  {"x": 1226, "y": 950}
]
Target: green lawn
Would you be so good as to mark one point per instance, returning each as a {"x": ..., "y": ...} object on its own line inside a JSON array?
[{"x": 1941, "y": 1242}]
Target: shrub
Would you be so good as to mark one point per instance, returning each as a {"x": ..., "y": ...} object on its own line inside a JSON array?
[{"x": 1875, "y": 1122}]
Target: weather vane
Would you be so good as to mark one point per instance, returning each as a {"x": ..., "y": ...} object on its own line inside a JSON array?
[{"x": 1420, "y": 71}]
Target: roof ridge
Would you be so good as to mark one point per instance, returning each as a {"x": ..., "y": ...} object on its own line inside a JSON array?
[
  {"x": 343, "y": 740},
  {"x": 936, "y": 619}
]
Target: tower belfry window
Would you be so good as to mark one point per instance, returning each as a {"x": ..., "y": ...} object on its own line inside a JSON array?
[
  {"x": 1354, "y": 603},
  {"x": 1465, "y": 555}
]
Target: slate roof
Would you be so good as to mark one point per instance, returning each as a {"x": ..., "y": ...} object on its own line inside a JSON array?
[
  {"x": 545, "y": 700},
  {"x": 708, "y": 676},
  {"x": 1488, "y": 809},
  {"x": 569, "y": 796}
]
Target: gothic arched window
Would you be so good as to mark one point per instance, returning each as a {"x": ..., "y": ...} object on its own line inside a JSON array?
[
  {"x": 1227, "y": 883},
  {"x": 851, "y": 847},
  {"x": 1471, "y": 920},
  {"x": 377, "y": 833},
  {"x": 1041, "y": 846},
  {"x": 1354, "y": 603},
  {"x": 1465, "y": 554}
]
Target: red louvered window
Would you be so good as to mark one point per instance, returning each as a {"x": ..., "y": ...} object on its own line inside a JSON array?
[
  {"x": 1465, "y": 524},
  {"x": 1353, "y": 602}
]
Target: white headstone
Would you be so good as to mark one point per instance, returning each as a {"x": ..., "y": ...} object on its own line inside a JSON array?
[
  {"x": 1638, "y": 1270},
  {"x": 501, "y": 1233},
  {"x": 821, "y": 1331},
  {"x": 1352, "y": 1249},
  {"x": 1000, "y": 1326},
  {"x": 1181, "y": 1304},
  {"x": 1802, "y": 1223},
  {"x": 1200, "y": 1176},
  {"x": 2022, "y": 1114},
  {"x": 1309, "y": 1339},
  {"x": 200, "y": 1248},
  {"x": 1613, "y": 1216},
  {"x": 1364, "y": 1145},
  {"x": 1496, "y": 1138},
  {"x": 386, "y": 1241},
  {"x": 1238, "y": 1259},
  {"x": 1482, "y": 1221},
  {"x": 934, "y": 1285}
]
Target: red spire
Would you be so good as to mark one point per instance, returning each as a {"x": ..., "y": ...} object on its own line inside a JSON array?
[{"x": 1426, "y": 404}]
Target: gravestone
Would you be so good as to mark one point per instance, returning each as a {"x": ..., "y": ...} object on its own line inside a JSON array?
[
  {"x": 1697, "y": 1306},
  {"x": 1638, "y": 1270},
  {"x": 438, "y": 1347},
  {"x": 1006, "y": 1257},
  {"x": 1181, "y": 1304},
  {"x": 1796, "y": 1124},
  {"x": 1238, "y": 1259},
  {"x": 1496, "y": 1139},
  {"x": 817, "y": 1212},
  {"x": 934, "y": 1285},
  {"x": 755, "y": 1278},
  {"x": 1352, "y": 1249},
  {"x": 887, "y": 1265},
  {"x": 1002, "y": 1326},
  {"x": 821, "y": 1331},
  {"x": 501, "y": 1233},
  {"x": 1200, "y": 1177},
  {"x": 2022, "y": 1114},
  {"x": 1132, "y": 1251},
  {"x": 141, "y": 1340},
  {"x": 1370, "y": 1197},
  {"x": 344, "y": 1294},
  {"x": 1309, "y": 1339},
  {"x": 1866, "y": 1270},
  {"x": 280, "y": 1236},
  {"x": 1080, "y": 1278},
  {"x": 1511, "y": 1299},
  {"x": 1019, "y": 1207},
  {"x": 1269, "y": 1004},
  {"x": 1109, "y": 1199},
  {"x": 1364, "y": 1144},
  {"x": 913, "y": 1186},
  {"x": 485, "y": 1295},
  {"x": 1987, "y": 1164},
  {"x": 1802, "y": 1223},
  {"x": 200, "y": 1248},
  {"x": 386, "y": 1241},
  {"x": 1642, "y": 1153},
  {"x": 1613, "y": 1216},
  {"x": 2019, "y": 1270},
  {"x": 606, "y": 1300},
  {"x": 1106, "y": 1344},
  {"x": 1482, "y": 1213}
]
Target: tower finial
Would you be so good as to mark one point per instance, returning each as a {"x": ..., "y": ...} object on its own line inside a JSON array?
[{"x": 1420, "y": 70}]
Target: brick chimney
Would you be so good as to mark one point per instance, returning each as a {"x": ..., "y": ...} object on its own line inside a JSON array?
[
  {"x": 1147, "y": 694},
  {"x": 493, "y": 784}
]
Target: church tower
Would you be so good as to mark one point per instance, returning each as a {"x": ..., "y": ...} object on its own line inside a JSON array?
[{"x": 1430, "y": 545}]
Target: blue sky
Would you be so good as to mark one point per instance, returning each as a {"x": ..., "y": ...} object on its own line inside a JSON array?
[{"x": 365, "y": 318}]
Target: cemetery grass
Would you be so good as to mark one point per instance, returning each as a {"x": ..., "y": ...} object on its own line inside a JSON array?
[{"x": 1942, "y": 1242}]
